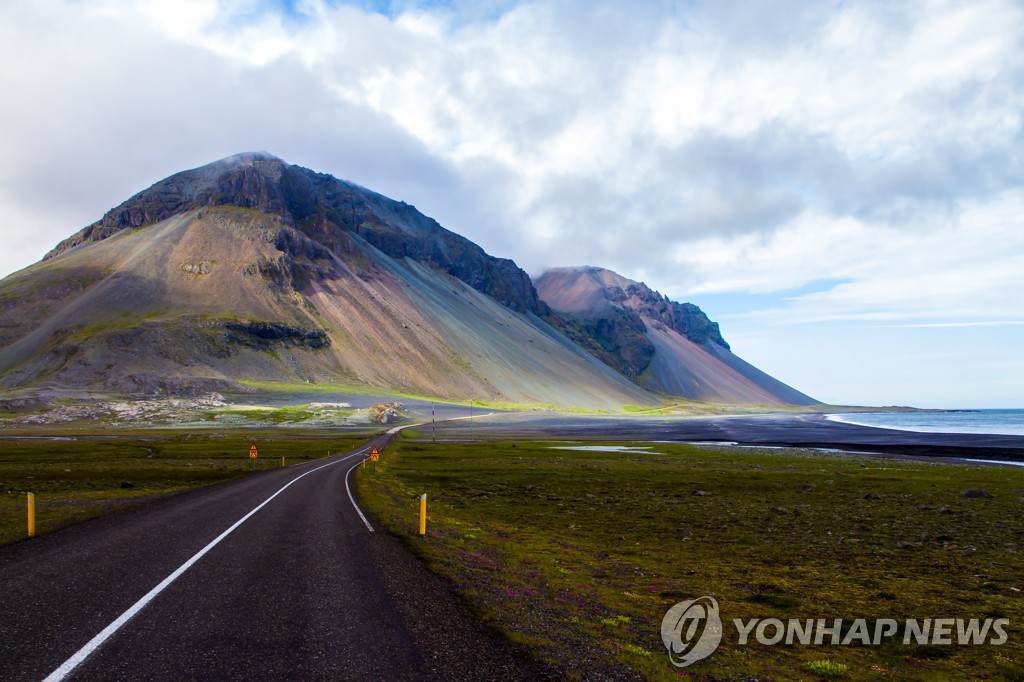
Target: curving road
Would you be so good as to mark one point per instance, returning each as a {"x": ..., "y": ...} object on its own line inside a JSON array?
[{"x": 178, "y": 589}]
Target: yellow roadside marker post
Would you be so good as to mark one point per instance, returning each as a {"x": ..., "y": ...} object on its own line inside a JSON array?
[
  {"x": 423, "y": 514},
  {"x": 31, "y": 515},
  {"x": 282, "y": 461}
]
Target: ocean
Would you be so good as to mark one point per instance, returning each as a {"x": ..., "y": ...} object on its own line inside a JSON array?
[{"x": 1006, "y": 422}]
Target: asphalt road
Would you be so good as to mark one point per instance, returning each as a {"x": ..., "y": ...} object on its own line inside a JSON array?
[{"x": 302, "y": 589}]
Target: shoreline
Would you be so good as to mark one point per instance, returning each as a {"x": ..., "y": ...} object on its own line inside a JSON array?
[
  {"x": 931, "y": 459},
  {"x": 853, "y": 418},
  {"x": 806, "y": 430}
]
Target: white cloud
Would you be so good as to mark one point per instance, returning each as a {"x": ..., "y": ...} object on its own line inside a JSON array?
[
  {"x": 948, "y": 325},
  {"x": 965, "y": 268},
  {"x": 707, "y": 147}
]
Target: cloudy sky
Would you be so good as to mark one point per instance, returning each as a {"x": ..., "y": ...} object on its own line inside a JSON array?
[{"x": 839, "y": 184}]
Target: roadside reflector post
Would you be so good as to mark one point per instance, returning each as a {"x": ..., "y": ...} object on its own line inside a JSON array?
[
  {"x": 423, "y": 514},
  {"x": 31, "y": 515},
  {"x": 282, "y": 460}
]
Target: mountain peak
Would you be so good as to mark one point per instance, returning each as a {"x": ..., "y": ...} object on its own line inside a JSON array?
[
  {"x": 248, "y": 179},
  {"x": 662, "y": 345},
  {"x": 328, "y": 211},
  {"x": 248, "y": 157},
  {"x": 264, "y": 162},
  {"x": 226, "y": 164},
  {"x": 592, "y": 292},
  {"x": 604, "y": 276}
]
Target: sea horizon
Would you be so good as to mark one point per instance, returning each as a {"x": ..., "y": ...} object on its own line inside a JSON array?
[{"x": 994, "y": 421}]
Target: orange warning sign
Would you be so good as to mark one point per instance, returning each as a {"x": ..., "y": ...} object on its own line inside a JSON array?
[
  {"x": 374, "y": 455},
  {"x": 252, "y": 451}
]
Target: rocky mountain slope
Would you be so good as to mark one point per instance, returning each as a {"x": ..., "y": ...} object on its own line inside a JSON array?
[
  {"x": 330, "y": 212},
  {"x": 664, "y": 346},
  {"x": 253, "y": 269},
  {"x": 250, "y": 269}
]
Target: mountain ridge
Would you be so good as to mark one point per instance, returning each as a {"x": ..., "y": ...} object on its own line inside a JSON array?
[
  {"x": 322, "y": 207},
  {"x": 663, "y": 346},
  {"x": 250, "y": 268}
]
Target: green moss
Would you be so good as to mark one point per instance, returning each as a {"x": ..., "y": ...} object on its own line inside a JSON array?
[
  {"x": 77, "y": 479},
  {"x": 571, "y": 544},
  {"x": 829, "y": 669}
]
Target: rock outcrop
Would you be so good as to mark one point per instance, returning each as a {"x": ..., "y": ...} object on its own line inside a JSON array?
[
  {"x": 662, "y": 345},
  {"x": 327, "y": 210}
]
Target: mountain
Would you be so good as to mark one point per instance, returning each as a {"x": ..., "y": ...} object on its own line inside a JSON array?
[
  {"x": 663, "y": 346},
  {"x": 250, "y": 268}
]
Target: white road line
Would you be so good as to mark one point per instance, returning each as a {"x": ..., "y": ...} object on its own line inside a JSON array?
[
  {"x": 349, "y": 491},
  {"x": 353, "y": 500},
  {"x": 79, "y": 656}
]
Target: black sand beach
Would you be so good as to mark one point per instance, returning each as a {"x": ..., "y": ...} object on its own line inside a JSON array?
[{"x": 810, "y": 430}]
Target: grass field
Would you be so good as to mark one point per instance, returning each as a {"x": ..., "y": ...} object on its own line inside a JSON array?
[
  {"x": 76, "y": 476},
  {"x": 578, "y": 555}
]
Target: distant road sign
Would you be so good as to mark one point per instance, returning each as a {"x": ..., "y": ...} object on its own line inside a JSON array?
[
  {"x": 253, "y": 452},
  {"x": 374, "y": 455}
]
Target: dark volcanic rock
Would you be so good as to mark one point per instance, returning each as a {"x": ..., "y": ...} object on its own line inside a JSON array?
[
  {"x": 328, "y": 211},
  {"x": 976, "y": 493},
  {"x": 262, "y": 335},
  {"x": 663, "y": 346},
  {"x": 611, "y": 327},
  {"x": 619, "y": 339},
  {"x": 685, "y": 318}
]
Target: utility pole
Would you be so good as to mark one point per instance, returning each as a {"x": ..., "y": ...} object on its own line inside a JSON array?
[{"x": 433, "y": 433}]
